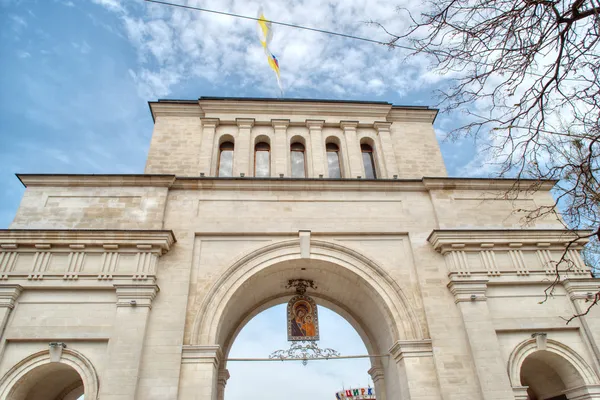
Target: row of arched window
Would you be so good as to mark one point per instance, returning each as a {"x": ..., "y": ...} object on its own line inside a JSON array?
[{"x": 262, "y": 160}]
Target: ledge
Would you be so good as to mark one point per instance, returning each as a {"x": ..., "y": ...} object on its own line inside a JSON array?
[
  {"x": 286, "y": 183},
  {"x": 13, "y": 238},
  {"x": 116, "y": 180},
  {"x": 487, "y": 239}
]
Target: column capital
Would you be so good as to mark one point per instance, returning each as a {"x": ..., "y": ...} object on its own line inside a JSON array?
[
  {"x": 223, "y": 377},
  {"x": 244, "y": 122},
  {"x": 348, "y": 125},
  {"x": 411, "y": 348},
  {"x": 377, "y": 373},
  {"x": 382, "y": 126},
  {"x": 582, "y": 288},
  {"x": 280, "y": 123},
  {"x": 468, "y": 289},
  {"x": 202, "y": 354},
  {"x": 136, "y": 295},
  {"x": 210, "y": 122},
  {"x": 9, "y": 294},
  {"x": 315, "y": 124}
]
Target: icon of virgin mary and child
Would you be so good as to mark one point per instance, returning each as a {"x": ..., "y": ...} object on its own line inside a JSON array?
[{"x": 302, "y": 320}]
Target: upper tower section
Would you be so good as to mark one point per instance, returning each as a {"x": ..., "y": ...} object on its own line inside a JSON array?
[{"x": 252, "y": 137}]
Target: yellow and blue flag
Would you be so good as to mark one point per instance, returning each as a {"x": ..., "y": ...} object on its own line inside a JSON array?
[{"x": 265, "y": 34}]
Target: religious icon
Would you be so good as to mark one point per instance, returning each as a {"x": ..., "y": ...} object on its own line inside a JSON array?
[{"x": 303, "y": 321}]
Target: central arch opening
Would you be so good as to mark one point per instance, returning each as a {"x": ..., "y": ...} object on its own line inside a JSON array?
[
  {"x": 348, "y": 283},
  {"x": 274, "y": 380}
]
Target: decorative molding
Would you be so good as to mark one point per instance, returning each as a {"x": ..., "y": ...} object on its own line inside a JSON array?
[
  {"x": 474, "y": 239},
  {"x": 246, "y": 123},
  {"x": 520, "y": 392},
  {"x": 223, "y": 377},
  {"x": 377, "y": 373},
  {"x": 210, "y": 122},
  {"x": 175, "y": 109},
  {"x": 348, "y": 125},
  {"x": 468, "y": 290},
  {"x": 9, "y": 295},
  {"x": 72, "y": 180},
  {"x": 280, "y": 123},
  {"x": 198, "y": 354},
  {"x": 588, "y": 392},
  {"x": 580, "y": 288},
  {"x": 159, "y": 240},
  {"x": 138, "y": 295},
  {"x": 512, "y": 185},
  {"x": 401, "y": 114},
  {"x": 411, "y": 348},
  {"x": 315, "y": 124},
  {"x": 382, "y": 126}
]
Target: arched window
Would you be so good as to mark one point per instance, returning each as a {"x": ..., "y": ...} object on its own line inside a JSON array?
[
  {"x": 297, "y": 160},
  {"x": 333, "y": 160},
  {"x": 368, "y": 161},
  {"x": 262, "y": 159},
  {"x": 225, "y": 159}
]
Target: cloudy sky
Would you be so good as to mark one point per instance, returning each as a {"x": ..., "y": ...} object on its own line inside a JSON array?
[{"x": 77, "y": 75}]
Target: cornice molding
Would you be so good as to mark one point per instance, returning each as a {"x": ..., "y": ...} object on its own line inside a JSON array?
[
  {"x": 581, "y": 288},
  {"x": 174, "y": 109},
  {"x": 31, "y": 180},
  {"x": 411, "y": 348},
  {"x": 174, "y": 182},
  {"x": 468, "y": 290},
  {"x": 400, "y": 114},
  {"x": 16, "y": 238},
  {"x": 9, "y": 293},
  {"x": 437, "y": 183},
  {"x": 445, "y": 240},
  {"x": 259, "y": 107},
  {"x": 197, "y": 354},
  {"x": 138, "y": 295}
]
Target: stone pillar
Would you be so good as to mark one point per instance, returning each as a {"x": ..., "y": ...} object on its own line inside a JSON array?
[
  {"x": 126, "y": 342},
  {"x": 377, "y": 375},
  {"x": 386, "y": 148},
  {"x": 353, "y": 149},
  {"x": 200, "y": 376},
  {"x": 8, "y": 295},
  {"x": 281, "y": 148},
  {"x": 520, "y": 392},
  {"x": 582, "y": 292},
  {"x": 414, "y": 359},
  {"x": 469, "y": 295},
  {"x": 315, "y": 128},
  {"x": 242, "y": 162},
  {"x": 206, "y": 164}
]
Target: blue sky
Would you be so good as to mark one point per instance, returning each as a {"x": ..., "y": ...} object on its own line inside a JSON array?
[{"x": 77, "y": 75}]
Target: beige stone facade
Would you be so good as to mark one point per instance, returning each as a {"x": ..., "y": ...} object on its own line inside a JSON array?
[{"x": 135, "y": 286}]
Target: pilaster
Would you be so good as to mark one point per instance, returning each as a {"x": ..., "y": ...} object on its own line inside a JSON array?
[
  {"x": 315, "y": 128},
  {"x": 583, "y": 292},
  {"x": 205, "y": 163},
  {"x": 353, "y": 148},
  {"x": 520, "y": 392},
  {"x": 470, "y": 297},
  {"x": 414, "y": 359},
  {"x": 281, "y": 149},
  {"x": 377, "y": 375},
  {"x": 243, "y": 147},
  {"x": 386, "y": 148},
  {"x": 124, "y": 352}
]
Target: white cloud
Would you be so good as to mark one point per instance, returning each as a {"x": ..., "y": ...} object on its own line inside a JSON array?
[{"x": 177, "y": 44}]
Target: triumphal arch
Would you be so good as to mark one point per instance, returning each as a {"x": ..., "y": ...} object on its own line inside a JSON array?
[{"x": 135, "y": 286}]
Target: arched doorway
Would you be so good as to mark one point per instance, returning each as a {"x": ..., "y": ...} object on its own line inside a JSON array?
[
  {"x": 549, "y": 370},
  {"x": 348, "y": 283},
  {"x": 42, "y": 377},
  {"x": 274, "y": 380}
]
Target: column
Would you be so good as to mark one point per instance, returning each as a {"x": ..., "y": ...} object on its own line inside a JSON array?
[
  {"x": 414, "y": 359},
  {"x": 386, "y": 148},
  {"x": 583, "y": 292},
  {"x": 281, "y": 148},
  {"x": 353, "y": 148},
  {"x": 200, "y": 376},
  {"x": 222, "y": 378},
  {"x": 469, "y": 295},
  {"x": 520, "y": 392},
  {"x": 8, "y": 297},
  {"x": 377, "y": 375},
  {"x": 126, "y": 342},
  {"x": 206, "y": 164},
  {"x": 242, "y": 162},
  {"x": 317, "y": 153}
]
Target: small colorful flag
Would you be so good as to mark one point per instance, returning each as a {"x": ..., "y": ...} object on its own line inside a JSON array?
[{"x": 265, "y": 34}]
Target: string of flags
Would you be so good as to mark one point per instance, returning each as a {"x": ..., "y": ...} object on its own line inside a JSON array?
[{"x": 265, "y": 34}]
